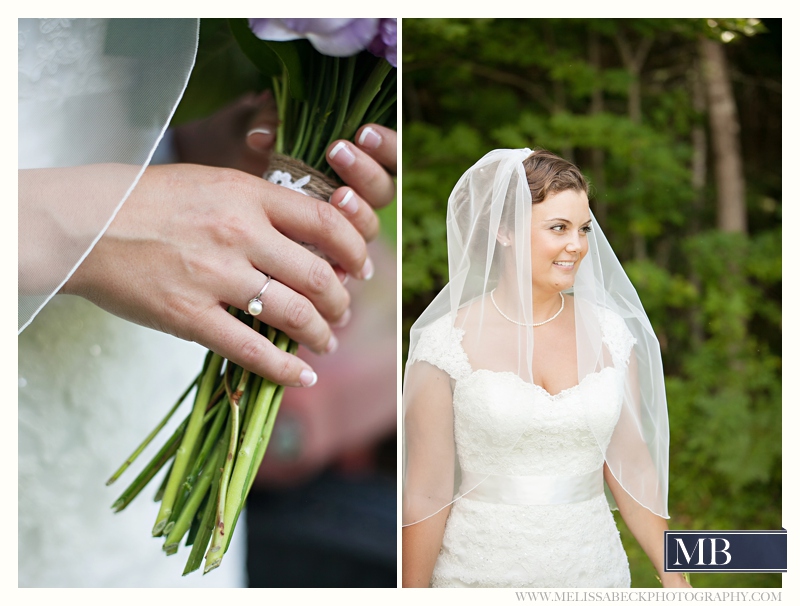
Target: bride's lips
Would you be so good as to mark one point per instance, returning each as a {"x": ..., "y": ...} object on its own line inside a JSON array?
[{"x": 565, "y": 265}]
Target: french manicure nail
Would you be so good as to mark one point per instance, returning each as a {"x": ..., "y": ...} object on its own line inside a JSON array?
[
  {"x": 368, "y": 270},
  {"x": 333, "y": 345},
  {"x": 341, "y": 155},
  {"x": 344, "y": 320},
  {"x": 308, "y": 378},
  {"x": 259, "y": 138},
  {"x": 369, "y": 138},
  {"x": 348, "y": 203}
]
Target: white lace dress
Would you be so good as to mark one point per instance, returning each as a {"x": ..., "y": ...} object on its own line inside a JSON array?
[
  {"x": 91, "y": 387},
  {"x": 542, "y": 520}
]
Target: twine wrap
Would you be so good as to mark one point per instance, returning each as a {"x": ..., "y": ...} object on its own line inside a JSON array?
[{"x": 319, "y": 186}]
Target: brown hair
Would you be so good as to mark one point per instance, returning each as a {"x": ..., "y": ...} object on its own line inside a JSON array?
[{"x": 549, "y": 174}]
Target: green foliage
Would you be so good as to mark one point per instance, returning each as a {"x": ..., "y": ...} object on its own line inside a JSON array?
[{"x": 714, "y": 299}]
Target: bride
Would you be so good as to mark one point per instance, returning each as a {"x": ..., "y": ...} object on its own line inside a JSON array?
[{"x": 533, "y": 382}]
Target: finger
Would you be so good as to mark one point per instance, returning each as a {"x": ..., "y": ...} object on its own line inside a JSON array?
[
  {"x": 306, "y": 219},
  {"x": 304, "y": 272},
  {"x": 361, "y": 172},
  {"x": 263, "y": 124},
  {"x": 234, "y": 340},
  {"x": 359, "y": 213},
  {"x": 380, "y": 143},
  {"x": 286, "y": 310}
]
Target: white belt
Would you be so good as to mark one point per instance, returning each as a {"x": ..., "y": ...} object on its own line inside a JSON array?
[{"x": 532, "y": 490}]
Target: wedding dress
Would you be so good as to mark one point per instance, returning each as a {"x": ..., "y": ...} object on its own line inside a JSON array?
[
  {"x": 91, "y": 386},
  {"x": 542, "y": 519}
]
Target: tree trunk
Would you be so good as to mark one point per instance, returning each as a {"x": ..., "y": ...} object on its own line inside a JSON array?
[
  {"x": 699, "y": 183},
  {"x": 724, "y": 121},
  {"x": 598, "y": 155},
  {"x": 633, "y": 59}
]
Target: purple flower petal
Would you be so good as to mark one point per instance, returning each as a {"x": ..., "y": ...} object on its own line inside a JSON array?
[
  {"x": 334, "y": 37},
  {"x": 385, "y": 43}
]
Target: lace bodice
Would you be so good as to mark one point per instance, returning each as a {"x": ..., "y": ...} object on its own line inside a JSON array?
[
  {"x": 505, "y": 427},
  {"x": 541, "y": 434}
]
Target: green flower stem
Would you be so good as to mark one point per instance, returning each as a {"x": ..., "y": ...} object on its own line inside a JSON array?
[
  {"x": 160, "y": 492},
  {"x": 312, "y": 117},
  {"x": 385, "y": 100},
  {"x": 198, "y": 458},
  {"x": 266, "y": 434},
  {"x": 364, "y": 97},
  {"x": 152, "y": 434},
  {"x": 200, "y": 541},
  {"x": 280, "y": 93},
  {"x": 219, "y": 538},
  {"x": 244, "y": 460},
  {"x": 184, "y": 521},
  {"x": 263, "y": 443},
  {"x": 187, "y": 444},
  {"x": 198, "y": 517},
  {"x": 165, "y": 454},
  {"x": 254, "y": 388},
  {"x": 328, "y": 83},
  {"x": 342, "y": 98},
  {"x": 302, "y": 130}
]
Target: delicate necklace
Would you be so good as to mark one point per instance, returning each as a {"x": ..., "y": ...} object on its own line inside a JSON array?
[{"x": 491, "y": 295}]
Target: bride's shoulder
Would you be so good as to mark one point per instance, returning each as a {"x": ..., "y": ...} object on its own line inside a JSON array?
[
  {"x": 438, "y": 342},
  {"x": 616, "y": 334}
]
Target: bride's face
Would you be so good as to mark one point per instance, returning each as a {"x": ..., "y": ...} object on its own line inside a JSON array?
[{"x": 559, "y": 228}]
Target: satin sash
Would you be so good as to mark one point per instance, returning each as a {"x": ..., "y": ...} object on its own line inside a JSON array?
[{"x": 533, "y": 490}]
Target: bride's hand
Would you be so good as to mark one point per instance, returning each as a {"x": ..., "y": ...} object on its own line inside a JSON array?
[
  {"x": 192, "y": 240},
  {"x": 674, "y": 580}
]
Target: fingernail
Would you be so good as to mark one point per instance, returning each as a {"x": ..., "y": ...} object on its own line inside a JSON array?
[
  {"x": 341, "y": 274},
  {"x": 344, "y": 320},
  {"x": 370, "y": 139},
  {"x": 308, "y": 378},
  {"x": 368, "y": 270},
  {"x": 333, "y": 345},
  {"x": 348, "y": 203},
  {"x": 341, "y": 155},
  {"x": 259, "y": 139}
]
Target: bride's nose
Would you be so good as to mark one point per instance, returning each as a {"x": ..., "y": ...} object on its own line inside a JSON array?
[{"x": 574, "y": 246}]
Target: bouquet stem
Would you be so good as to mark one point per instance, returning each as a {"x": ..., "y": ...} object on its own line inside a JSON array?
[{"x": 182, "y": 456}]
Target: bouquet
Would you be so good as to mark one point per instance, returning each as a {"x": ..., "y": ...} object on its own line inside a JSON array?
[{"x": 328, "y": 77}]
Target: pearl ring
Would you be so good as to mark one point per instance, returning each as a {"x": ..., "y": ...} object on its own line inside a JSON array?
[{"x": 255, "y": 305}]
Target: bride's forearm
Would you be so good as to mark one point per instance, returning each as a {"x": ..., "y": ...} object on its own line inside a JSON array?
[
  {"x": 647, "y": 528},
  {"x": 421, "y": 545},
  {"x": 61, "y": 211}
]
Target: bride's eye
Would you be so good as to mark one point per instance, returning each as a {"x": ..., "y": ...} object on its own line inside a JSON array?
[
  {"x": 558, "y": 228},
  {"x": 586, "y": 229}
]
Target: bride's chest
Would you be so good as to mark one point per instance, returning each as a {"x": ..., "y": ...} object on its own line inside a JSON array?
[{"x": 500, "y": 407}]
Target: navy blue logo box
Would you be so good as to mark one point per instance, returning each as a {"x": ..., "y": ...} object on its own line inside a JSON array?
[{"x": 725, "y": 551}]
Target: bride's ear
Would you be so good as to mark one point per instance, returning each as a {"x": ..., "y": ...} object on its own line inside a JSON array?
[{"x": 504, "y": 238}]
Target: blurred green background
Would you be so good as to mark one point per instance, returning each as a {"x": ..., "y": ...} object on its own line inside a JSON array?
[{"x": 677, "y": 123}]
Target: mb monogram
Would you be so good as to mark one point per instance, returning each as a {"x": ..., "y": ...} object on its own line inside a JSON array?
[{"x": 725, "y": 551}]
